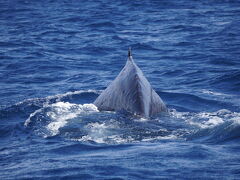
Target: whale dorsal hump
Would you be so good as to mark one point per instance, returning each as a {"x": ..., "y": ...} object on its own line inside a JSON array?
[{"x": 130, "y": 91}]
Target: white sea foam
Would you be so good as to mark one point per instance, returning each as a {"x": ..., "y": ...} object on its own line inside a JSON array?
[
  {"x": 102, "y": 132},
  {"x": 61, "y": 113},
  {"x": 64, "y": 111},
  {"x": 113, "y": 139},
  {"x": 206, "y": 91},
  {"x": 207, "y": 119},
  {"x": 141, "y": 119},
  {"x": 32, "y": 115},
  {"x": 171, "y": 136}
]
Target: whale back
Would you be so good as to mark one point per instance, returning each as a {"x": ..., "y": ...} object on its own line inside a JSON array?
[{"x": 130, "y": 91}]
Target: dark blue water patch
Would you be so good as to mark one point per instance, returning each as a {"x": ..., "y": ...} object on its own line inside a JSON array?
[
  {"x": 230, "y": 81},
  {"x": 76, "y": 148},
  {"x": 6, "y": 131},
  {"x": 106, "y": 24},
  {"x": 194, "y": 103},
  {"x": 99, "y": 50},
  {"x": 223, "y": 62},
  {"x": 170, "y": 73},
  {"x": 184, "y": 28},
  {"x": 228, "y": 77},
  {"x": 12, "y": 130},
  {"x": 73, "y": 19},
  {"x": 118, "y": 38},
  {"x": 182, "y": 44},
  {"x": 78, "y": 77},
  {"x": 143, "y": 47}
]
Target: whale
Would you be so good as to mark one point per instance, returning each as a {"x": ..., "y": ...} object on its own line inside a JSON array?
[{"x": 130, "y": 92}]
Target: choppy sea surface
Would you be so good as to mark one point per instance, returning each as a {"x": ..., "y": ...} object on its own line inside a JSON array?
[{"x": 56, "y": 57}]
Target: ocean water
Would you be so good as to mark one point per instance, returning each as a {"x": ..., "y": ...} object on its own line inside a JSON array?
[{"x": 56, "y": 57}]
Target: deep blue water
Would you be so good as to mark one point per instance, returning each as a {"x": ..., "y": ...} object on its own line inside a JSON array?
[{"x": 57, "y": 56}]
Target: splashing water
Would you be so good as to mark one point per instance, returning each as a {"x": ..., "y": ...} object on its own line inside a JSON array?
[{"x": 84, "y": 123}]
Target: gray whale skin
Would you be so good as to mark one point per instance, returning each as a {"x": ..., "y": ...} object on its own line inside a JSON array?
[{"x": 131, "y": 92}]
